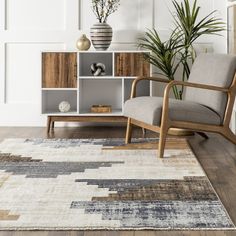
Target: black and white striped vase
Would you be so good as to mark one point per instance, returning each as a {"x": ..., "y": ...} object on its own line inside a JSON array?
[{"x": 101, "y": 36}]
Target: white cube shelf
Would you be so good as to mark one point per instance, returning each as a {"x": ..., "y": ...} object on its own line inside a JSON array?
[
  {"x": 52, "y": 98},
  {"x": 87, "y": 59},
  {"x": 67, "y": 76},
  {"x": 100, "y": 91}
]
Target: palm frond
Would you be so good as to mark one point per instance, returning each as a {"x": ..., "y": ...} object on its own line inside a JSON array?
[{"x": 178, "y": 48}]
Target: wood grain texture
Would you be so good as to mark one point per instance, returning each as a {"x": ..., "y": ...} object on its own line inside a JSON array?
[
  {"x": 101, "y": 119},
  {"x": 216, "y": 155},
  {"x": 131, "y": 65},
  {"x": 59, "y": 70},
  {"x": 101, "y": 109},
  {"x": 88, "y": 118}
]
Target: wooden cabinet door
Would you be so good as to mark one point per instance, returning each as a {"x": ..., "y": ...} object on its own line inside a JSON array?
[
  {"x": 59, "y": 70},
  {"x": 131, "y": 64}
]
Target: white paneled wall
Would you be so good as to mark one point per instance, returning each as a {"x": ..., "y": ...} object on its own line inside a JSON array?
[
  {"x": 35, "y": 15},
  {"x": 28, "y": 27}
]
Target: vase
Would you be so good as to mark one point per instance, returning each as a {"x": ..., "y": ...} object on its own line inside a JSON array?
[
  {"x": 83, "y": 43},
  {"x": 101, "y": 36}
]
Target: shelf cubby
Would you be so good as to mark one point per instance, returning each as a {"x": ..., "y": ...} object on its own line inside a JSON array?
[
  {"x": 100, "y": 92},
  {"x": 87, "y": 59},
  {"x": 52, "y": 98}
]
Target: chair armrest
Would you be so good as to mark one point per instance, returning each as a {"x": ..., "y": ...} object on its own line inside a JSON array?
[
  {"x": 135, "y": 82},
  {"x": 195, "y": 85},
  {"x": 187, "y": 84}
]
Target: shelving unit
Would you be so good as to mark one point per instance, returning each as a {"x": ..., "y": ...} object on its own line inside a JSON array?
[{"x": 67, "y": 76}]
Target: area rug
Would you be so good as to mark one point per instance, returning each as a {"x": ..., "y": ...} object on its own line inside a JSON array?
[{"x": 52, "y": 184}]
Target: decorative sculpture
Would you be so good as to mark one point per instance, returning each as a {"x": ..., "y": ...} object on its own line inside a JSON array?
[
  {"x": 64, "y": 107},
  {"x": 83, "y": 43},
  {"x": 98, "y": 69}
]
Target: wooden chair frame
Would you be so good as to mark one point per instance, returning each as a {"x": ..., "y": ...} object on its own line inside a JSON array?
[{"x": 167, "y": 123}]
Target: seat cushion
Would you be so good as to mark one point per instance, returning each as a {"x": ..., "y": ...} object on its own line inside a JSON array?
[{"x": 149, "y": 110}]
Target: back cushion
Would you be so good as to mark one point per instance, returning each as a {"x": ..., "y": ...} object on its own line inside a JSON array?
[{"x": 211, "y": 69}]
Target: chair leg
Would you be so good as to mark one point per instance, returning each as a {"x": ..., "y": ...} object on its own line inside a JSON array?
[
  {"x": 128, "y": 132},
  {"x": 162, "y": 140},
  {"x": 228, "y": 134},
  {"x": 53, "y": 125}
]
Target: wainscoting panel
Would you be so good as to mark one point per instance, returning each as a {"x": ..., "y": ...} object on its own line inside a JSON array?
[
  {"x": 2, "y": 73},
  {"x": 2, "y": 15},
  {"x": 164, "y": 18},
  {"x": 35, "y": 14},
  {"x": 73, "y": 20},
  {"x": 23, "y": 71}
]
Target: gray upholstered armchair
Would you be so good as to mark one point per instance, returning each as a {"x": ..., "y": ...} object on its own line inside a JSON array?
[{"x": 207, "y": 104}]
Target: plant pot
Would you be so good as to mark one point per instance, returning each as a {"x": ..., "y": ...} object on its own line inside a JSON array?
[{"x": 101, "y": 36}]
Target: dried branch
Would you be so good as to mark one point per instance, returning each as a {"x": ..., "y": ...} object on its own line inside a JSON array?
[{"x": 104, "y": 8}]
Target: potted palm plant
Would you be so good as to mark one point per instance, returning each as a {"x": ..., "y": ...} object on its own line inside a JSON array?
[
  {"x": 101, "y": 32},
  {"x": 178, "y": 51}
]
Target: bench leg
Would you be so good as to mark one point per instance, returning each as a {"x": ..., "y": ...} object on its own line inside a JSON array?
[
  {"x": 53, "y": 125},
  {"x": 49, "y": 124}
]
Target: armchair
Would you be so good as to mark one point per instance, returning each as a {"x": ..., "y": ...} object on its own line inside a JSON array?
[{"x": 207, "y": 105}]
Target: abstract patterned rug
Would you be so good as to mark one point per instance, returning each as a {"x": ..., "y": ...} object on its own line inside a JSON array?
[{"x": 103, "y": 184}]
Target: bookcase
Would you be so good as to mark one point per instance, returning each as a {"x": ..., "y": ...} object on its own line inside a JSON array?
[{"x": 67, "y": 76}]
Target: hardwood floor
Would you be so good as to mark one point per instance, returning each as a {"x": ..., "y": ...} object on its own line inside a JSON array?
[{"x": 216, "y": 155}]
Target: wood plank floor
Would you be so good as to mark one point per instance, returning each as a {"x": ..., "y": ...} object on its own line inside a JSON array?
[{"x": 216, "y": 155}]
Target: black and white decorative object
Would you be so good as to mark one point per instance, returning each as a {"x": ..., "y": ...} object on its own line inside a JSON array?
[
  {"x": 98, "y": 69},
  {"x": 101, "y": 36},
  {"x": 64, "y": 107}
]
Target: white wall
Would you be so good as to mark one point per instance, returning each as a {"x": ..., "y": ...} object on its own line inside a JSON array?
[{"x": 28, "y": 27}]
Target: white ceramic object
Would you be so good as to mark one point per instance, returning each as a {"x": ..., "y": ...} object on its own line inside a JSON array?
[{"x": 64, "y": 107}]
